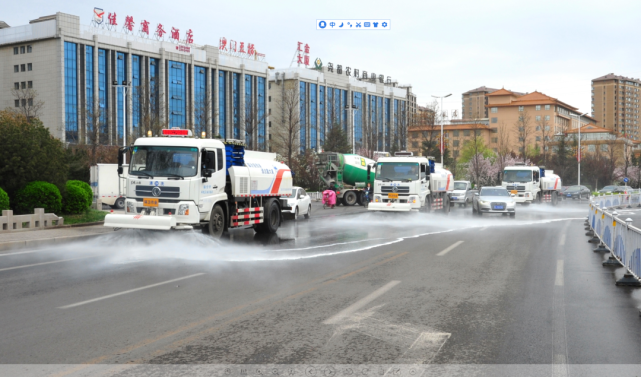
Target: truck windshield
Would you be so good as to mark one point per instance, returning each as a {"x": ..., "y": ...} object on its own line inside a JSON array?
[
  {"x": 517, "y": 176},
  {"x": 397, "y": 171},
  {"x": 460, "y": 186},
  {"x": 164, "y": 161}
]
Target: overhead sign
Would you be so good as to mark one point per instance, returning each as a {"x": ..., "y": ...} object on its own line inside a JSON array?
[{"x": 302, "y": 52}]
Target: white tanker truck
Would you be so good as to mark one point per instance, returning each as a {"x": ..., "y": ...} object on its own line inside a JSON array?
[
  {"x": 411, "y": 183},
  {"x": 532, "y": 184},
  {"x": 181, "y": 182}
]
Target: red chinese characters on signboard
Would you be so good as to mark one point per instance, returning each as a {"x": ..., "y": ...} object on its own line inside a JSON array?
[
  {"x": 222, "y": 46},
  {"x": 160, "y": 31},
  {"x": 175, "y": 34},
  {"x": 299, "y": 44},
  {"x": 112, "y": 19},
  {"x": 303, "y": 54},
  {"x": 144, "y": 27},
  {"x": 306, "y": 48},
  {"x": 129, "y": 23},
  {"x": 242, "y": 49},
  {"x": 189, "y": 38},
  {"x": 250, "y": 49},
  {"x": 300, "y": 59}
]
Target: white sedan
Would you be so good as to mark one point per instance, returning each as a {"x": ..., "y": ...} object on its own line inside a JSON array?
[{"x": 300, "y": 204}]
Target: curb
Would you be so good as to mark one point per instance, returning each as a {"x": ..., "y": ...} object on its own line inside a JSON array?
[{"x": 13, "y": 245}]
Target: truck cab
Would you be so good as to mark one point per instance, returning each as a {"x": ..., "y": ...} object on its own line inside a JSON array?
[
  {"x": 401, "y": 183},
  {"x": 524, "y": 182}
]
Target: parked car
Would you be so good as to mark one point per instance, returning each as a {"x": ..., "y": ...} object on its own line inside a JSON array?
[
  {"x": 608, "y": 189},
  {"x": 576, "y": 192},
  {"x": 494, "y": 200},
  {"x": 624, "y": 190},
  {"x": 300, "y": 203},
  {"x": 463, "y": 194}
]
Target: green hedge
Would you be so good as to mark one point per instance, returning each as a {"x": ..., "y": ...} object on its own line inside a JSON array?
[
  {"x": 75, "y": 199},
  {"x": 85, "y": 187},
  {"x": 38, "y": 194},
  {"x": 4, "y": 200}
]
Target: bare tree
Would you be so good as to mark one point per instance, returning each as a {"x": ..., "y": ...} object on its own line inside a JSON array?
[
  {"x": 251, "y": 119},
  {"x": 28, "y": 103},
  {"x": 202, "y": 112},
  {"x": 146, "y": 108},
  {"x": 503, "y": 147},
  {"x": 524, "y": 131},
  {"x": 543, "y": 127},
  {"x": 286, "y": 131},
  {"x": 97, "y": 132}
]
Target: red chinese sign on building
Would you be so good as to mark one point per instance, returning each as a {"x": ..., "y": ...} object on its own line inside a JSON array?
[
  {"x": 240, "y": 49},
  {"x": 160, "y": 31},
  {"x": 175, "y": 34},
  {"x": 302, "y": 53},
  {"x": 144, "y": 27},
  {"x": 112, "y": 19},
  {"x": 129, "y": 23}
]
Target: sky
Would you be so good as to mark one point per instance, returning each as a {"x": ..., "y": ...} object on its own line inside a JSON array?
[{"x": 554, "y": 47}]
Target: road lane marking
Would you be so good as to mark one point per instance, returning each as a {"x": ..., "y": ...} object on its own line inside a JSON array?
[
  {"x": 361, "y": 303},
  {"x": 45, "y": 263},
  {"x": 449, "y": 249},
  {"x": 129, "y": 291},
  {"x": 559, "y": 273},
  {"x": 211, "y": 330},
  {"x": 562, "y": 241}
]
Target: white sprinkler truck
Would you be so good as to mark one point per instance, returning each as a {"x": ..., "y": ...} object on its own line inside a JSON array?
[
  {"x": 411, "y": 183},
  {"x": 181, "y": 182},
  {"x": 532, "y": 184}
]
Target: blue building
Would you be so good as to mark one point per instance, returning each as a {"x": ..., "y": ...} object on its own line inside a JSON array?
[{"x": 79, "y": 70}]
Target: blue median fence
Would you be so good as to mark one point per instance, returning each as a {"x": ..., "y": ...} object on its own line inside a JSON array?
[{"x": 621, "y": 238}]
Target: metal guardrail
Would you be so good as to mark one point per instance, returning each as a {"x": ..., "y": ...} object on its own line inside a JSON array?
[
  {"x": 616, "y": 235},
  {"x": 317, "y": 196}
]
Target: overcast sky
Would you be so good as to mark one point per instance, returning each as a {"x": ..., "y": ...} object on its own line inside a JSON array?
[{"x": 555, "y": 47}]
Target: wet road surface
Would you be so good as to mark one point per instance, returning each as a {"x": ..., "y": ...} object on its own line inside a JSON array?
[{"x": 343, "y": 288}]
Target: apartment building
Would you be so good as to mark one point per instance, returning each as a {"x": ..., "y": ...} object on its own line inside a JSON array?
[
  {"x": 455, "y": 134},
  {"x": 615, "y": 104},
  {"x": 474, "y": 102}
]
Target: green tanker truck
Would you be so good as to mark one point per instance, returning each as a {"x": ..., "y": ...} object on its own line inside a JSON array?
[{"x": 348, "y": 172}]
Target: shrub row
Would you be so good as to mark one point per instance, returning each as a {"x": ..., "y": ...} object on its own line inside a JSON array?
[{"x": 76, "y": 199}]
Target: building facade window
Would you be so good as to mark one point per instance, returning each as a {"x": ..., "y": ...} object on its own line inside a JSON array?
[
  {"x": 303, "y": 114},
  {"x": 547, "y": 107},
  {"x": 495, "y": 140},
  {"x": 177, "y": 73},
  {"x": 262, "y": 93},
  {"x": 395, "y": 124},
  {"x": 103, "y": 100},
  {"x": 495, "y": 120},
  {"x": 23, "y": 67},
  {"x": 456, "y": 143},
  {"x": 591, "y": 148},
  {"x": 89, "y": 87},
  {"x": 16, "y": 68},
  {"x": 321, "y": 109},
  {"x": 520, "y": 108},
  {"x": 202, "y": 104},
  {"x": 455, "y": 132},
  {"x": 373, "y": 120},
  {"x": 313, "y": 111},
  {"x": 121, "y": 75},
  {"x": 16, "y": 85},
  {"x": 381, "y": 126},
  {"x": 23, "y": 85},
  {"x": 495, "y": 130},
  {"x": 388, "y": 132},
  {"x": 222, "y": 100},
  {"x": 136, "y": 71},
  {"x": 29, "y": 49},
  {"x": 16, "y": 103},
  {"x": 344, "y": 106},
  {"x": 15, "y": 50},
  {"x": 23, "y": 49},
  {"x": 249, "y": 111},
  {"x": 604, "y": 147},
  {"x": 29, "y": 67},
  {"x": 235, "y": 84},
  {"x": 338, "y": 109},
  {"x": 537, "y": 118},
  {"x": 71, "y": 92},
  {"x": 495, "y": 110},
  {"x": 538, "y": 107},
  {"x": 466, "y": 132},
  {"x": 547, "y": 117}
]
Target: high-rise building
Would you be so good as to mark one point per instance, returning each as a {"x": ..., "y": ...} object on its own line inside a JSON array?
[
  {"x": 615, "y": 104},
  {"x": 473, "y": 103},
  {"x": 78, "y": 72},
  {"x": 305, "y": 103}
]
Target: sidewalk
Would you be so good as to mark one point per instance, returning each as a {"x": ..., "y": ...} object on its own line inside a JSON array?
[{"x": 38, "y": 238}]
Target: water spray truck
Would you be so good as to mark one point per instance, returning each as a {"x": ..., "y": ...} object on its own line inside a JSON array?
[
  {"x": 180, "y": 182},
  {"x": 406, "y": 183},
  {"x": 532, "y": 184},
  {"x": 348, "y": 173}
]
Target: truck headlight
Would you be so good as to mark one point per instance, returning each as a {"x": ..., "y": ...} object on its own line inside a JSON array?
[
  {"x": 131, "y": 207},
  {"x": 412, "y": 199},
  {"x": 183, "y": 210},
  {"x": 377, "y": 198}
]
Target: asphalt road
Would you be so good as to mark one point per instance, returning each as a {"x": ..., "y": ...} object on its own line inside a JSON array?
[{"x": 343, "y": 288}]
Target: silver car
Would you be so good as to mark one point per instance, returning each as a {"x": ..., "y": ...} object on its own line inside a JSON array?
[{"x": 493, "y": 200}]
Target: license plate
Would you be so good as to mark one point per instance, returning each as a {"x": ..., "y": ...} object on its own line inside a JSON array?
[
  {"x": 498, "y": 207},
  {"x": 392, "y": 196},
  {"x": 569, "y": 195},
  {"x": 150, "y": 202},
  {"x": 514, "y": 192}
]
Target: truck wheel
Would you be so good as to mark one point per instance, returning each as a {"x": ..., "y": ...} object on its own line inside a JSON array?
[
  {"x": 446, "y": 205},
  {"x": 119, "y": 204},
  {"x": 271, "y": 221},
  {"x": 216, "y": 222},
  {"x": 349, "y": 199},
  {"x": 361, "y": 199}
]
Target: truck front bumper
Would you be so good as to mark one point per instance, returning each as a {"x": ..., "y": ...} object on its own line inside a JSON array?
[
  {"x": 164, "y": 217},
  {"x": 390, "y": 207},
  {"x": 140, "y": 222}
]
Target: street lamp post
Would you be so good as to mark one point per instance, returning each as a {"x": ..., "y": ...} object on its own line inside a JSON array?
[
  {"x": 441, "y": 109},
  {"x": 579, "y": 152},
  {"x": 353, "y": 108},
  {"x": 125, "y": 85}
]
